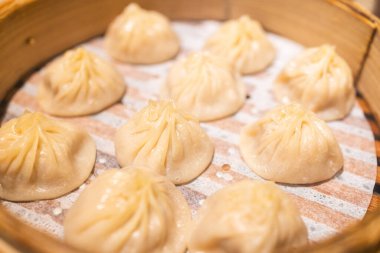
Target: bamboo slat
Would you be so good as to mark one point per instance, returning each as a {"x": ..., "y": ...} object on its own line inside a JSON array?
[{"x": 369, "y": 82}]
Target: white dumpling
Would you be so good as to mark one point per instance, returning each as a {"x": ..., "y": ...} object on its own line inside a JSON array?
[
  {"x": 166, "y": 140},
  {"x": 43, "y": 158},
  {"x": 141, "y": 36},
  {"x": 205, "y": 85},
  {"x": 248, "y": 217},
  {"x": 291, "y": 145},
  {"x": 320, "y": 80},
  {"x": 129, "y": 210},
  {"x": 244, "y": 44},
  {"x": 79, "y": 83}
]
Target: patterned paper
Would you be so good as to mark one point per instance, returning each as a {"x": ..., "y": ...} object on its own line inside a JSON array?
[{"x": 326, "y": 208}]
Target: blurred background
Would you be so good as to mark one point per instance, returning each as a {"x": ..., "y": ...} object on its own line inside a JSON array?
[{"x": 372, "y": 5}]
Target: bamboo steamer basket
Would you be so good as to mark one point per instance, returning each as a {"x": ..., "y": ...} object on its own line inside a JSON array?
[{"x": 34, "y": 31}]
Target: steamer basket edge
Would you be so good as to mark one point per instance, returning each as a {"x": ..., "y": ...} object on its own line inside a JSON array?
[{"x": 28, "y": 39}]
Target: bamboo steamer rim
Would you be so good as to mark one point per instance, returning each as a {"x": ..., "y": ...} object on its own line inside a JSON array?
[{"x": 28, "y": 39}]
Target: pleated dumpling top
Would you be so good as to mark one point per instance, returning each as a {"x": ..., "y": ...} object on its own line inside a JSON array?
[
  {"x": 141, "y": 37},
  {"x": 244, "y": 44},
  {"x": 320, "y": 80},
  {"x": 290, "y": 144},
  {"x": 42, "y": 157},
  {"x": 129, "y": 210},
  {"x": 246, "y": 217},
  {"x": 205, "y": 85},
  {"x": 79, "y": 83},
  {"x": 166, "y": 140}
]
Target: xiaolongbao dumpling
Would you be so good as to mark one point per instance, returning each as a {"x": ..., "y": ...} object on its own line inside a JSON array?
[
  {"x": 248, "y": 217},
  {"x": 129, "y": 210},
  {"x": 141, "y": 36},
  {"x": 166, "y": 140},
  {"x": 291, "y": 145},
  {"x": 320, "y": 80},
  {"x": 79, "y": 83},
  {"x": 43, "y": 158},
  {"x": 204, "y": 85},
  {"x": 243, "y": 43}
]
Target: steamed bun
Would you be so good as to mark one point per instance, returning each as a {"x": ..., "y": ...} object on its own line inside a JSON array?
[
  {"x": 204, "y": 85},
  {"x": 79, "y": 83},
  {"x": 42, "y": 158},
  {"x": 129, "y": 210},
  {"x": 248, "y": 217},
  {"x": 320, "y": 80},
  {"x": 291, "y": 145},
  {"x": 243, "y": 43},
  {"x": 166, "y": 140},
  {"x": 141, "y": 36}
]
